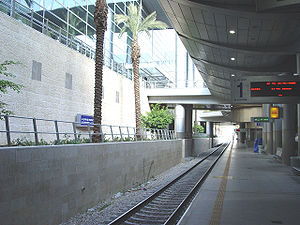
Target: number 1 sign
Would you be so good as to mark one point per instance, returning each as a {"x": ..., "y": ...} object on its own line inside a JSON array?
[{"x": 239, "y": 91}]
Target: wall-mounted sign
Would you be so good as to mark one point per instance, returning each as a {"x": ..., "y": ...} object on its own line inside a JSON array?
[
  {"x": 241, "y": 130},
  {"x": 274, "y": 112},
  {"x": 260, "y": 119},
  {"x": 275, "y": 89},
  {"x": 84, "y": 120},
  {"x": 265, "y": 89}
]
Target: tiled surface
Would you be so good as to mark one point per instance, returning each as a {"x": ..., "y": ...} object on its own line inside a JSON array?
[{"x": 260, "y": 191}]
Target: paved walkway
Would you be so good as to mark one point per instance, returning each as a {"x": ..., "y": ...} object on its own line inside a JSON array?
[{"x": 247, "y": 188}]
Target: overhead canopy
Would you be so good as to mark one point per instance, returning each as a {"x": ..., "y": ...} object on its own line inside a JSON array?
[{"x": 228, "y": 39}]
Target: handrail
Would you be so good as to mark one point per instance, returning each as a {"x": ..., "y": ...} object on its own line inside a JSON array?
[{"x": 106, "y": 132}]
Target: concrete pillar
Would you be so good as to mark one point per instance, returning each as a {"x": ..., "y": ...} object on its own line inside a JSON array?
[
  {"x": 298, "y": 106},
  {"x": 242, "y": 134},
  {"x": 269, "y": 144},
  {"x": 210, "y": 132},
  {"x": 209, "y": 128},
  {"x": 179, "y": 121},
  {"x": 188, "y": 111},
  {"x": 298, "y": 109},
  {"x": 289, "y": 127},
  {"x": 264, "y": 125},
  {"x": 277, "y": 135}
]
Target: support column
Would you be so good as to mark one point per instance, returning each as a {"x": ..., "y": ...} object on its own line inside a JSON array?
[
  {"x": 179, "y": 121},
  {"x": 188, "y": 111},
  {"x": 264, "y": 125},
  {"x": 269, "y": 145},
  {"x": 277, "y": 135},
  {"x": 209, "y": 129},
  {"x": 242, "y": 134},
  {"x": 210, "y": 132},
  {"x": 289, "y": 146},
  {"x": 298, "y": 108}
]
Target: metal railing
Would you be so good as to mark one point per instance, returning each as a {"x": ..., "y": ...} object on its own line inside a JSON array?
[
  {"x": 106, "y": 132},
  {"x": 170, "y": 84},
  {"x": 42, "y": 24}
]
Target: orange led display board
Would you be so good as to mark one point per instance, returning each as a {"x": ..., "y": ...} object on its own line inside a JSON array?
[{"x": 275, "y": 89}]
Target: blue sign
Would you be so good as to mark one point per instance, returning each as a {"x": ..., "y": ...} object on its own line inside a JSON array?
[{"x": 84, "y": 120}]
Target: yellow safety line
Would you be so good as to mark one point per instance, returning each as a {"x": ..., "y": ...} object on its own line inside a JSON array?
[{"x": 218, "y": 207}]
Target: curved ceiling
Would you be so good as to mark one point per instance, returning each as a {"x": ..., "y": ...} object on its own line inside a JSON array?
[{"x": 265, "y": 41}]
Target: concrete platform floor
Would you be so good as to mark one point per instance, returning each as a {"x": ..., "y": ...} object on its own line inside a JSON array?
[{"x": 254, "y": 189}]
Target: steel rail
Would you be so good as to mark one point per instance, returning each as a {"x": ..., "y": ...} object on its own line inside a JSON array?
[{"x": 121, "y": 219}]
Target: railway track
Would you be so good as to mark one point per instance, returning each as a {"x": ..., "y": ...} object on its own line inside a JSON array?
[{"x": 167, "y": 204}]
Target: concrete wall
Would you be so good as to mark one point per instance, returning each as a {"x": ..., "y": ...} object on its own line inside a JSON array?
[
  {"x": 218, "y": 140},
  {"x": 49, "y": 98},
  {"x": 47, "y": 185},
  {"x": 245, "y": 114},
  {"x": 187, "y": 148},
  {"x": 200, "y": 145}
]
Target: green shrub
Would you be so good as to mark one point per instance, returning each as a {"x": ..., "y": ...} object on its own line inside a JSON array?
[{"x": 158, "y": 118}]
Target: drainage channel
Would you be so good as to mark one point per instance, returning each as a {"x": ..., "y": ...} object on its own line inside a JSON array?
[{"x": 167, "y": 204}]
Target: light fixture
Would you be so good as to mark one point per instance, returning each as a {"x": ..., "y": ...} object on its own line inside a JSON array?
[
  {"x": 232, "y": 31},
  {"x": 232, "y": 58},
  {"x": 233, "y": 75}
]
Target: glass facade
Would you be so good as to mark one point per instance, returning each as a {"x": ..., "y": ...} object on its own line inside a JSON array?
[{"x": 164, "y": 60}]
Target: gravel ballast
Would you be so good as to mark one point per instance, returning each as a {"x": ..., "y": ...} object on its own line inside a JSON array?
[{"x": 107, "y": 211}]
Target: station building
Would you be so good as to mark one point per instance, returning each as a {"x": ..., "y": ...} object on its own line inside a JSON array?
[
  {"x": 54, "y": 41},
  {"x": 247, "y": 53}
]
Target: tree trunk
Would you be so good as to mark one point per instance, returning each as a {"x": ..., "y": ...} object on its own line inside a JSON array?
[
  {"x": 135, "y": 57},
  {"x": 100, "y": 17}
]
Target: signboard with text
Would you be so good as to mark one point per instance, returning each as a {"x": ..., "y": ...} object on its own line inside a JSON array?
[
  {"x": 84, "y": 120},
  {"x": 260, "y": 119},
  {"x": 265, "y": 89}
]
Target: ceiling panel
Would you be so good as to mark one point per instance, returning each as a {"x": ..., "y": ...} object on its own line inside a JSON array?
[
  {"x": 263, "y": 43},
  {"x": 202, "y": 30},
  {"x": 209, "y": 18}
]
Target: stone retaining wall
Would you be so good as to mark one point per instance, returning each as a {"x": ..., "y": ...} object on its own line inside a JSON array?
[{"x": 49, "y": 184}]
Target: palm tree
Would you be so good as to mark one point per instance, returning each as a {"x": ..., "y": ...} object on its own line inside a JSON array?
[
  {"x": 100, "y": 18},
  {"x": 133, "y": 24}
]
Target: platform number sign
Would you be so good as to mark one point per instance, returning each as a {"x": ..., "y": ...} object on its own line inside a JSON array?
[
  {"x": 239, "y": 91},
  {"x": 265, "y": 89},
  {"x": 240, "y": 86}
]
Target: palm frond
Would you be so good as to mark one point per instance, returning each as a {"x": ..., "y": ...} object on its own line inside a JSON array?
[
  {"x": 139, "y": 14},
  {"x": 148, "y": 33},
  {"x": 134, "y": 23},
  {"x": 148, "y": 20},
  {"x": 120, "y": 18},
  {"x": 123, "y": 30},
  {"x": 132, "y": 10},
  {"x": 158, "y": 25}
]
